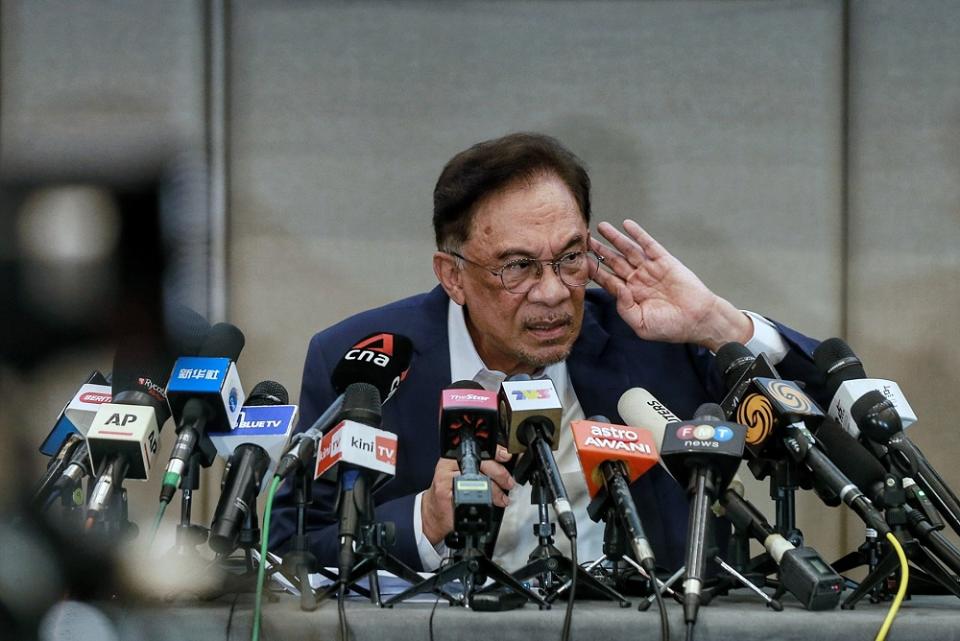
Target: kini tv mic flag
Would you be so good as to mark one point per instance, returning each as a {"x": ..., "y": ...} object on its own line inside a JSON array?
[
  {"x": 612, "y": 457},
  {"x": 252, "y": 449},
  {"x": 381, "y": 359},
  {"x": 358, "y": 454},
  {"x": 205, "y": 395}
]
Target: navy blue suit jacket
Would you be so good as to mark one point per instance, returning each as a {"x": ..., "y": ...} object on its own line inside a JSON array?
[{"x": 607, "y": 359}]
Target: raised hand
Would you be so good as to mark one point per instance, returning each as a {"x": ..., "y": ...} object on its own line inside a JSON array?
[{"x": 659, "y": 297}]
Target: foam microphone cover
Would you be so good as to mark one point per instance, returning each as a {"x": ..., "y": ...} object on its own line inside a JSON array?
[
  {"x": 380, "y": 359},
  {"x": 361, "y": 403},
  {"x": 876, "y": 416},
  {"x": 733, "y": 359},
  {"x": 267, "y": 393},
  {"x": 853, "y": 459},
  {"x": 837, "y": 362},
  {"x": 223, "y": 341}
]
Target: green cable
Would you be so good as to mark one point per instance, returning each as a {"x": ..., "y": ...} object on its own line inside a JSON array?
[
  {"x": 261, "y": 570},
  {"x": 156, "y": 522}
]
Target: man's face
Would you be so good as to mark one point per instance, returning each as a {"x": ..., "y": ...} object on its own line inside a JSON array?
[{"x": 521, "y": 333}]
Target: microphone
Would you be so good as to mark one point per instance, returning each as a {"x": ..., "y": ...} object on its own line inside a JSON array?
[
  {"x": 847, "y": 380},
  {"x": 775, "y": 412},
  {"x": 530, "y": 412},
  {"x": 380, "y": 359},
  {"x": 885, "y": 489},
  {"x": 351, "y": 453},
  {"x": 612, "y": 457},
  {"x": 251, "y": 448},
  {"x": 68, "y": 432},
  {"x": 205, "y": 394},
  {"x": 124, "y": 435},
  {"x": 882, "y": 421},
  {"x": 702, "y": 454},
  {"x": 802, "y": 571},
  {"x": 469, "y": 420},
  {"x": 77, "y": 414}
]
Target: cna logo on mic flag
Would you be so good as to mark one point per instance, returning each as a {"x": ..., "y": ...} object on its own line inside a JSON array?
[
  {"x": 713, "y": 437},
  {"x": 358, "y": 445},
  {"x": 598, "y": 442}
]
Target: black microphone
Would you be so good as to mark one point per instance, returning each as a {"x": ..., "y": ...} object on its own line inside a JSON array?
[
  {"x": 883, "y": 422},
  {"x": 205, "y": 394},
  {"x": 125, "y": 434},
  {"x": 530, "y": 412},
  {"x": 613, "y": 456},
  {"x": 361, "y": 407},
  {"x": 469, "y": 420},
  {"x": 885, "y": 490},
  {"x": 251, "y": 448},
  {"x": 381, "y": 360},
  {"x": 803, "y": 573},
  {"x": 702, "y": 454}
]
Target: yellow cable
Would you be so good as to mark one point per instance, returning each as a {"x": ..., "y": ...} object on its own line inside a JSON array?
[{"x": 901, "y": 592}]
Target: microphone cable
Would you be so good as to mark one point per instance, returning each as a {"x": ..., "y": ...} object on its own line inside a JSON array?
[
  {"x": 901, "y": 591},
  {"x": 568, "y": 617},
  {"x": 661, "y": 606},
  {"x": 261, "y": 568},
  {"x": 156, "y": 522}
]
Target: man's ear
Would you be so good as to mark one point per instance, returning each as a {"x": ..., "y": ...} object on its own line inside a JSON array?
[{"x": 450, "y": 275}]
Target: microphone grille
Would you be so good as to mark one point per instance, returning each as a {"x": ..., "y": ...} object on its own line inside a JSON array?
[
  {"x": 833, "y": 353},
  {"x": 361, "y": 403},
  {"x": 268, "y": 393},
  {"x": 709, "y": 411},
  {"x": 733, "y": 359},
  {"x": 223, "y": 341}
]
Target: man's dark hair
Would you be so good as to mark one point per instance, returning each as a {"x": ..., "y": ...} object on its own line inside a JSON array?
[{"x": 492, "y": 165}]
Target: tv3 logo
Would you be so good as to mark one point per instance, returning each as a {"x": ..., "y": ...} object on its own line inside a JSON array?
[
  {"x": 531, "y": 394},
  {"x": 386, "y": 450}
]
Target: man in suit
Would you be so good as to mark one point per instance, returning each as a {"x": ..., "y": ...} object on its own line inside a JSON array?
[{"x": 514, "y": 258}]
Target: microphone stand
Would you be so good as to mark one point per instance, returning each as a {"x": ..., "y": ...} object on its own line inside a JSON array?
[
  {"x": 471, "y": 566},
  {"x": 299, "y": 561},
  {"x": 615, "y": 551},
  {"x": 190, "y": 536},
  {"x": 555, "y": 570},
  {"x": 925, "y": 563}
]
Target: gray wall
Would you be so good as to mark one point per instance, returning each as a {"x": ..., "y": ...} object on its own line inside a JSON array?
[{"x": 803, "y": 173}]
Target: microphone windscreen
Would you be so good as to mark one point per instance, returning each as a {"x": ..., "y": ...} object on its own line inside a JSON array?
[
  {"x": 710, "y": 411},
  {"x": 223, "y": 341},
  {"x": 837, "y": 362},
  {"x": 381, "y": 359},
  {"x": 733, "y": 359},
  {"x": 186, "y": 330},
  {"x": 361, "y": 403},
  {"x": 464, "y": 384},
  {"x": 268, "y": 393},
  {"x": 853, "y": 459}
]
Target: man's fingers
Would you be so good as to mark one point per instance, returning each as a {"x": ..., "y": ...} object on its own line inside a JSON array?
[
  {"x": 498, "y": 474},
  {"x": 627, "y": 246},
  {"x": 503, "y": 455},
  {"x": 648, "y": 243},
  {"x": 500, "y": 498}
]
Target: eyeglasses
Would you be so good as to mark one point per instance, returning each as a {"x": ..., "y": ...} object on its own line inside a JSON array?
[{"x": 575, "y": 269}]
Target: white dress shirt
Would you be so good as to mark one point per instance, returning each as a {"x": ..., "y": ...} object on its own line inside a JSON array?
[{"x": 516, "y": 539}]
